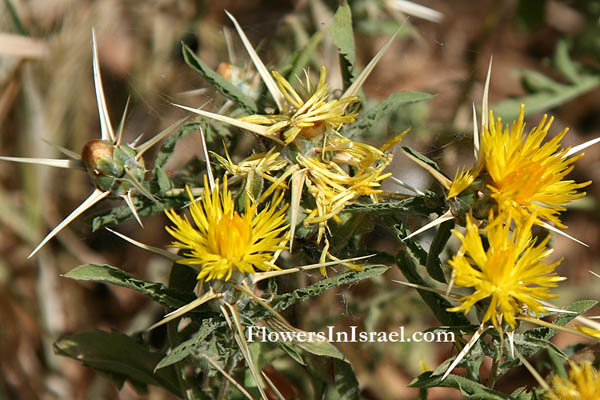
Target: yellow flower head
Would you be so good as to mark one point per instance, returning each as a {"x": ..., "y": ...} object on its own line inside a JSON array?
[
  {"x": 511, "y": 273},
  {"x": 309, "y": 115},
  {"x": 523, "y": 174},
  {"x": 583, "y": 384},
  {"x": 462, "y": 180},
  {"x": 334, "y": 187},
  {"x": 337, "y": 173},
  {"x": 225, "y": 240},
  {"x": 264, "y": 165}
]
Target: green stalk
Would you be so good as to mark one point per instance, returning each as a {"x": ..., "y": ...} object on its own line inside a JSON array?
[{"x": 15, "y": 17}]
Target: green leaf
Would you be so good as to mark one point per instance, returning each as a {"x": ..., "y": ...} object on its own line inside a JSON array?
[
  {"x": 15, "y": 18},
  {"x": 468, "y": 388},
  {"x": 391, "y": 104},
  {"x": 351, "y": 226},
  {"x": 564, "y": 63},
  {"x": 545, "y": 100},
  {"x": 168, "y": 297},
  {"x": 190, "y": 346},
  {"x": 548, "y": 93},
  {"x": 535, "y": 81},
  {"x": 531, "y": 345},
  {"x": 433, "y": 263},
  {"x": 115, "y": 216},
  {"x": 536, "y": 339},
  {"x": 414, "y": 249},
  {"x": 225, "y": 87},
  {"x": 292, "y": 352},
  {"x": 166, "y": 150},
  {"x": 324, "y": 349},
  {"x": 558, "y": 362},
  {"x": 427, "y": 204},
  {"x": 578, "y": 307},
  {"x": 525, "y": 393},
  {"x": 343, "y": 36},
  {"x": 119, "y": 356},
  {"x": 163, "y": 181},
  {"x": 345, "y": 380},
  {"x": 437, "y": 303},
  {"x": 283, "y": 301},
  {"x": 426, "y": 160}
]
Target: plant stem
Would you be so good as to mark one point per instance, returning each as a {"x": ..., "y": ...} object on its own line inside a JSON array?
[
  {"x": 493, "y": 373},
  {"x": 172, "y": 334}
]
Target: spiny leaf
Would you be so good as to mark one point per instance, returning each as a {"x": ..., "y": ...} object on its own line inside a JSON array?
[
  {"x": 426, "y": 160},
  {"x": 111, "y": 275},
  {"x": 345, "y": 380},
  {"x": 578, "y": 307},
  {"x": 528, "y": 346},
  {"x": 426, "y": 204},
  {"x": 225, "y": 87},
  {"x": 317, "y": 347},
  {"x": 392, "y": 103},
  {"x": 468, "y": 388},
  {"x": 284, "y": 301},
  {"x": 191, "y": 345},
  {"x": 120, "y": 356},
  {"x": 117, "y": 215},
  {"x": 166, "y": 150},
  {"x": 343, "y": 36},
  {"x": 163, "y": 181}
]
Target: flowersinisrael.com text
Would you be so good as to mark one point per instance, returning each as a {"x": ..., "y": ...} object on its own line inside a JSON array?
[{"x": 354, "y": 335}]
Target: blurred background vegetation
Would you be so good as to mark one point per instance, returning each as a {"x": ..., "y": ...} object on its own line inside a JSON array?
[{"x": 545, "y": 52}]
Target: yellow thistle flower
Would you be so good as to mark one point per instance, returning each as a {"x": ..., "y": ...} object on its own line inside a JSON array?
[
  {"x": 523, "y": 174},
  {"x": 264, "y": 164},
  {"x": 309, "y": 115},
  {"x": 225, "y": 240},
  {"x": 333, "y": 187},
  {"x": 462, "y": 180},
  {"x": 327, "y": 180},
  {"x": 511, "y": 273},
  {"x": 583, "y": 384}
]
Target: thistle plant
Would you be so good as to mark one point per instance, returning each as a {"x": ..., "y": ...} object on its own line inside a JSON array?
[
  {"x": 583, "y": 383},
  {"x": 511, "y": 272},
  {"x": 520, "y": 173},
  {"x": 225, "y": 241},
  {"x": 115, "y": 169},
  {"x": 249, "y": 224},
  {"x": 307, "y": 129}
]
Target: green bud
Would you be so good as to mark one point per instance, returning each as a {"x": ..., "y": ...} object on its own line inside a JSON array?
[{"x": 108, "y": 165}]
